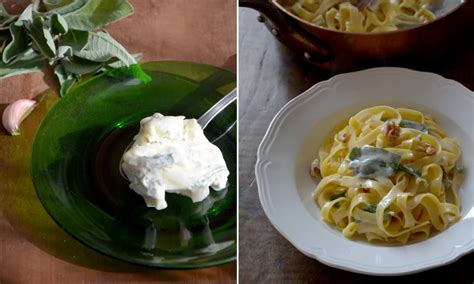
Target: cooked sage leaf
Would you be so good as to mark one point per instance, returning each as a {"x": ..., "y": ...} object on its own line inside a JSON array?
[
  {"x": 18, "y": 43},
  {"x": 96, "y": 14},
  {"x": 59, "y": 24},
  {"x": 101, "y": 47},
  {"x": 42, "y": 37},
  {"x": 371, "y": 208},
  {"x": 26, "y": 62},
  {"x": 372, "y": 162},
  {"x": 409, "y": 170},
  {"x": 337, "y": 195},
  {"x": 413, "y": 125}
]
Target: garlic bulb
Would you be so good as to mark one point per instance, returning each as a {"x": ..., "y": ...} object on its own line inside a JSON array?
[{"x": 15, "y": 113}]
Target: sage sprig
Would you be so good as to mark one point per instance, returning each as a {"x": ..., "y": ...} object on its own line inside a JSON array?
[{"x": 65, "y": 34}]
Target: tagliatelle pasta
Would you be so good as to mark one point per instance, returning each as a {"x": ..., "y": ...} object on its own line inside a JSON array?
[
  {"x": 389, "y": 175},
  {"x": 362, "y": 15}
]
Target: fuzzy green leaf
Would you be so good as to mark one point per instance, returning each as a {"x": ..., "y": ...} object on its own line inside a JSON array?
[
  {"x": 101, "y": 47},
  {"x": 64, "y": 51},
  {"x": 59, "y": 24},
  {"x": 80, "y": 66},
  {"x": 63, "y": 7},
  {"x": 77, "y": 40},
  {"x": 26, "y": 17},
  {"x": 115, "y": 63},
  {"x": 42, "y": 38},
  {"x": 66, "y": 79},
  {"x": 55, "y": 4},
  {"x": 26, "y": 62},
  {"x": 97, "y": 13},
  {"x": 18, "y": 43}
]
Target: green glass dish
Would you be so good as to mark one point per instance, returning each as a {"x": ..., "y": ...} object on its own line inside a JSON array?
[{"x": 75, "y": 167}]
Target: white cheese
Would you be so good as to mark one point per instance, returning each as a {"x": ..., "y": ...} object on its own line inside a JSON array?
[{"x": 171, "y": 154}]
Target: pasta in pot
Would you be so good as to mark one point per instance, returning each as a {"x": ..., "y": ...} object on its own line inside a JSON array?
[
  {"x": 389, "y": 175},
  {"x": 362, "y": 15}
]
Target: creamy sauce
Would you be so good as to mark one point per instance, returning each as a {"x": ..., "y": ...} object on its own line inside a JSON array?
[
  {"x": 374, "y": 162},
  {"x": 171, "y": 154}
]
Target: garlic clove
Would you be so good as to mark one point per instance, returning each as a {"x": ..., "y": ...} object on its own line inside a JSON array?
[{"x": 15, "y": 113}]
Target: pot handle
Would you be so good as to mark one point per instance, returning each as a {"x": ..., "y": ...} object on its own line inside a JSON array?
[{"x": 310, "y": 47}]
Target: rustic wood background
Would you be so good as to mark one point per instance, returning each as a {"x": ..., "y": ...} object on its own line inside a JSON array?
[
  {"x": 270, "y": 76},
  {"x": 202, "y": 31}
]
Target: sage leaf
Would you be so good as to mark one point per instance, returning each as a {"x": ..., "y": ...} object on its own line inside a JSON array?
[
  {"x": 101, "y": 47},
  {"x": 414, "y": 125},
  {"x": 409, "y": 170},
  {"x": 66, "y": 79},
  {"x": 97, "y": 13},
  {"x": 77, "y": 40},
  {"x": 18, "y": 43},
  {"x": 54, "y": 4},
  {"x": 26, "y": 62},
  {"x": 26, "y": 17},
  {"x": 58, "y": 24},
  {"x": 42, "y": 38},
  {"x": 115, "y": 63},
  {"x": 371, "y": 208},
  {"x": 337, "y": 195},
  {"x": 80, "y": 66},
  {"x": 64, "y": 51},
  {"x": 62, "y": 7}
]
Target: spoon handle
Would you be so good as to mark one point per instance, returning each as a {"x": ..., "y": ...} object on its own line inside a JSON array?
[{"x": 217, "y": 108}]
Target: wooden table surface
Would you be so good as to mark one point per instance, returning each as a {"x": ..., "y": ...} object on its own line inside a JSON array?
[
  {"x": 270, "y": 76},
  {"x": 202, "y": 31}
]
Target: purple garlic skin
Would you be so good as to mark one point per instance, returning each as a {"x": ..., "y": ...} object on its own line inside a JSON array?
[{"x": 15, "y": 113}]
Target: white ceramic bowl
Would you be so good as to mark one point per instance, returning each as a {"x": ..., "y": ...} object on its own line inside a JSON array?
[{"x": 292, "y": 141}]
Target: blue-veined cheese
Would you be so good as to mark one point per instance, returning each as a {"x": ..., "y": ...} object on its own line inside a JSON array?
[{"x": 172, "y": 154}]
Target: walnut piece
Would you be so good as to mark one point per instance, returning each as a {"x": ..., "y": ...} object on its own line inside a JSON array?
[
  {"x": 392, "y": 131},
  {"x": 315, "y": 170},
  {"x": 343, "y": 136},
  {"x": 429, "y": 149}
]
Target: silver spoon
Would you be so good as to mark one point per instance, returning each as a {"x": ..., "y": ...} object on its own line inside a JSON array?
[
  {"x": 203, "y": 121},
  {"x": 217, "y": 108}
]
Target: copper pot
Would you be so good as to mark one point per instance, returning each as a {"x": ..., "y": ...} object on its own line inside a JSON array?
[{"x": 337, "y": 51}]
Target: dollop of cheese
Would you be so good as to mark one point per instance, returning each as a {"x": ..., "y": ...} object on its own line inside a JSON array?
[{"x": 171, "y": 154}]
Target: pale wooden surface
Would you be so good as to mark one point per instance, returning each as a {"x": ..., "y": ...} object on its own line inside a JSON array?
[
  {"x": 202, "y": 31},
  {"x": 270, "y": 76}
]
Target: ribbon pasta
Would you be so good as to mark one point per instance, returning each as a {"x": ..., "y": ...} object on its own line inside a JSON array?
[
  {"x": 377, "y": 16},
  {"x": 409, "y": 203}
]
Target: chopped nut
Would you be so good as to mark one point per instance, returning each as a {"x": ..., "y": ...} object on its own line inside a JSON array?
[
  {"x": 343, "y": 136},
  {"x": 392, "y": 131},
  {"x": 315, "y": 170},
  {"x": 429, "y": 149}
]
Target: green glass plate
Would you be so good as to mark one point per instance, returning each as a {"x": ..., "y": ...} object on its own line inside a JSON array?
[{"x": 75, "y": 167}]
